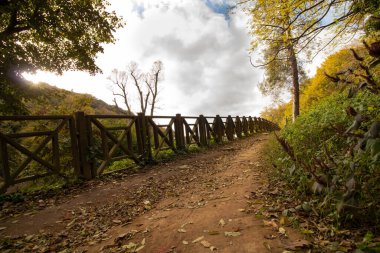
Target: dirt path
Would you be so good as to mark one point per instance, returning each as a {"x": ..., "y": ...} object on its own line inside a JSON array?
[{"x": 197, "y": 204}]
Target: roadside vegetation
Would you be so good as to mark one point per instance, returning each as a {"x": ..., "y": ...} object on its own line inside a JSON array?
[{"x": 329, "y": 157}]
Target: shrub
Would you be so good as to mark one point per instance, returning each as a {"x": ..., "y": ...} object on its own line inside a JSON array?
[{"x": 335, "y": 160}]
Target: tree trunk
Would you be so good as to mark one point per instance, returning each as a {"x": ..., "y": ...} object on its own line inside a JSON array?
[{"x": 296, "y": 84}]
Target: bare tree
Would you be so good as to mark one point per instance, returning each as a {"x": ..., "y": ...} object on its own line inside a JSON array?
[
  {"x": 152, "y": 82},
  {"x": 120, "y": 79},
  {"x": 146, "y": 85},
  {"x": 137, "y": 79}
]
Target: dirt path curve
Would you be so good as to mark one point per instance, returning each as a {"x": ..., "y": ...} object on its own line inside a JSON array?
[{"x": 197, "y": 204}]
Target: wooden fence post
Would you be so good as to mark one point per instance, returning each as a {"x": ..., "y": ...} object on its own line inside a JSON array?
[
  {"x": 148, "y": 144},
  {"x": 266, "y": 127},
  {"x": 5, "y": 172},
  {"x": 202, "y": 130},
  {"x": 238, "y": 127},
  {"x": 139, "y": 135},
  {"x": 74, "y": 146},
  {"x": 230, "y": 128},
  {"x": 86, "y": 166},
  {"x": 218, "y": 129},
  {"x": 143, "y": 137},
  {"x": 245, "y": 126},
  {"x": 251, "y": 125},
  {"x": 179, "y": 133},
  {"x": 256, "y": 125}
]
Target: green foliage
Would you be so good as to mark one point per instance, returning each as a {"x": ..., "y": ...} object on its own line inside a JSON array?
[
  {"x": 320, "y": 86},
  {"x": 11, "y": 101},
  {"x": 53, "y": 35},
  {"x": 120, "y": 165},
  {"x": 341, "y": 174}
]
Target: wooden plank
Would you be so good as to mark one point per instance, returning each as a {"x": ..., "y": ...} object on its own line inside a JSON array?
[
  {"x": 230, "y": 128},
  {"x": 118, "y": 158},
  {"x": 179, "y": 133},
  {"x": 209, "y": 131},
  {"x": 155, "y": 138},
  {"x": 37, "y": 150},
  {"x": 245, "y": 126},
  {"x": 74, "y": 146},
  {"x": 31, "y": 178},
  {"x": 125, "y": 149},
  {"x": 170, "y": 136},
  {"x": 251, "y": 125},
  {"x": 116, "y": 128},
  {"x": 118, "y": 116},
  {"x": 35, "y": 117},
  {"x": 195, "y": 137},
  {"x": 148, "y": 144},
  {"x": 140, "y": 145},
  {"x": 202, "y": 131},
  {"x": 129, "y": 139},
  {"x": 218, "y": 129},
  {"x": 5, "y": 170},
  {"x": 83, "y": 145},
  {"x": 163, "y": 135},
  {"x": 105, "y": 148},
  {"x": 31, "y": 154},
  {"x": 187, "y": 136},
  {"x": 30, "y": 134},
  {"x": 55, "y": 152},
  {"x": 238, "y": 127},
  {"x": 108, "y": 157}
]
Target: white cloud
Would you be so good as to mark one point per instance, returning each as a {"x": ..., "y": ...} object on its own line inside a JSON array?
[{"x": 205, "y": 58}]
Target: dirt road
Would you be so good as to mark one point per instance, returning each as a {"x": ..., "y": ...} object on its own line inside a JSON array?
[{"x": 200, "y": 203}]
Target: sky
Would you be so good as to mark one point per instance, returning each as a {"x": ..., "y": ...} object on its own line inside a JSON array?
[{"x": 204, "y": 50}]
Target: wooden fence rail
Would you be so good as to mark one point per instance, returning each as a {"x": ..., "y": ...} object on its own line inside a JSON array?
[{"x": 92, "y": 142}]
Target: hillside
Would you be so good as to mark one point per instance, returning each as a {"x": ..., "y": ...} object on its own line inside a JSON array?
[{"x": 44, "y": 99}]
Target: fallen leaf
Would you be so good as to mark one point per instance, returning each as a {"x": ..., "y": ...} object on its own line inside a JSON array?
[
  {"x": 270, "y": 237},
  {"x": 183, "y": 225},
  {"x": 143, "y": 242},
  {"x": 2, "y": 228},
  {"x": 116, "y": 221},
  {"x": 130, "y": 245},
  {"x": 296, "y": 245},
  {"x": 185, "y": 242},
  {"x": 198, "y": 239},
  {"x": 241, "y": 210},
  {"x": 206, "y": 244},
  {"x": 222, "y": 223},
  {"x": 181, "y": 230},
  {"x": 139, "y": 248},
  {"x": 267, "y": 246},
  {"x": 282, "y": 220},
  {"x": 214, "y": 232},
  {"x": 212, "y": 248},
  {"x": 234, "y": 234},
  {"x": 307, "y": 231},
  {"x": 282, "y": 231},
  {"x": 270, "y": 223}
]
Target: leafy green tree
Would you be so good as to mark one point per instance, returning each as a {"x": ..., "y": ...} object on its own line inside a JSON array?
[
  {"x": 284, "y": 29},
  {"x": 51, "y": 35}
]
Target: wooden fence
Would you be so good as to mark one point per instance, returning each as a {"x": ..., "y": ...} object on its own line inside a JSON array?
[{"x": 90, "y": 143}]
